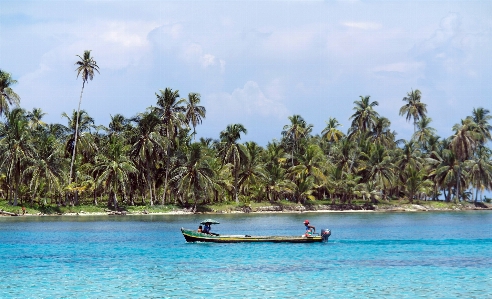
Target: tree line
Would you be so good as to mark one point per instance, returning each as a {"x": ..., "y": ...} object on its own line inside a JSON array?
[{"x": 154, "y": 158}]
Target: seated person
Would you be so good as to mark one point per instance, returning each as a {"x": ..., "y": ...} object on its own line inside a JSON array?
[
  {"x": 206, "y": 229},
  {"x": 199, "y": 229}
]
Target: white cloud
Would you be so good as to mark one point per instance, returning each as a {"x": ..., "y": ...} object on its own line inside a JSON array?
[
  {"x": 175, "y": 40},
  {"x": 447, "y": 31},
  {"x": 400, "y": 67},
  {"x": 208, "y": 60},
  {"x": 126, "y": 34},
  {"x": 193, "y": 54},
  {"x": 246, "y": 101},
  {"x": 363, "y": 25}
]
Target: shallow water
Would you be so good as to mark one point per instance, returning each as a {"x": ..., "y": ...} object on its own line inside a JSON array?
[{"x": 369, "y": 255}]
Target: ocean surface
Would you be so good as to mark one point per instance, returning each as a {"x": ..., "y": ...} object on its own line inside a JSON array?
[{"x": 369, "y": 255}]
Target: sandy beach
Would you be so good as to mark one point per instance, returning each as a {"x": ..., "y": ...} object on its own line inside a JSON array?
[{"x": 272, "y": 209}]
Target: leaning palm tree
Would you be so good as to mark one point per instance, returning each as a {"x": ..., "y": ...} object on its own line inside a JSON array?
[
  {"x": 414, "y": 108},
  {"x": 86, "y": 67},
  {"x": 7, "y": 95}
]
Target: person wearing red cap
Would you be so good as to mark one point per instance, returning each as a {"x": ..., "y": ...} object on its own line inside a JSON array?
[{"x": 309, "y": 228}]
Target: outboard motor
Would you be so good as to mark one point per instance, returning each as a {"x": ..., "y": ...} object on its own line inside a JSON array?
[{"x": 325, "y": 234}]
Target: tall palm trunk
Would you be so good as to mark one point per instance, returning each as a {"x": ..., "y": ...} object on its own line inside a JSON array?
[
  {"x": 17, "y": 182},
  {"x": 458, "y": 184},
  {"x": 150, "y": 184},
  {"x": 76, "y": 134},
  {"x": 235, "y": 185},
  {"x": 166, "y": 176},
  {"x": 479, "y": 179}
]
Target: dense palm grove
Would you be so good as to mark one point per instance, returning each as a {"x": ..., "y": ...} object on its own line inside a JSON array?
[{"x": 154, "y": 158}]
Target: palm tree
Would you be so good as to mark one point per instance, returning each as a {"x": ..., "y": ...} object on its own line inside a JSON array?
[
  {"x": 344, "y": 154},
  {"x": 118, "y": 124},
  {"x": 293, "y": 133},
  {"x": 232, "y": 152},
  {"x": 424, "y": 132},
  {"x": 86, "y": 67},
  {"x": 253, "y": 172},
  {"x": 304, "y": 188},
  {"x": 171, "y": 111},
  {"x": 78, "y": 130},
  {"x": 147, "y": 144},
  {"x": 365, "y": 116},
  {"x": 35, "y": 118},
  {"x": 7, "y": 95},
  {"x": 311, "y": 163},
  {"x": 276, "y": 182},
  {"x": 45, "y": 165},
  {"x": 113, "y": 168},
  {"x": 330, "y": 132},
  {"x": 463, "y": 144},
  {"x": 194, "y": 175},
  {"x": 381, "y": 133},
  {"x": 413, "y": 108},
  {"x": 194, "y": 113},
  {"x": 416, "y": 182},
  {"x": 445, "y": 174},
  {"x": 377, "y": 167},
  {"x": 481, "y": 117},
  {"x": 17, "y": 147},
  {"x": 480, "y": 170},
  {"x": 409, "y": 155}
]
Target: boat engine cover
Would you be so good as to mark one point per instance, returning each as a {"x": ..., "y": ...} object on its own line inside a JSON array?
[{"x": 325, "y": 234}]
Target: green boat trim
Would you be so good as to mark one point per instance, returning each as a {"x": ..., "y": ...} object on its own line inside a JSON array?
[{"x": 194, "y": 236}]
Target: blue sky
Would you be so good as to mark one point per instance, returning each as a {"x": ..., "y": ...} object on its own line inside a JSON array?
[{"x": 253, "y": 62}]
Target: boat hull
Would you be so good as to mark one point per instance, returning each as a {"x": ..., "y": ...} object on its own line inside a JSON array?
[{"x": 194, "y": 236}]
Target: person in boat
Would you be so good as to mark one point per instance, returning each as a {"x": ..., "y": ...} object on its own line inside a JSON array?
[
  {"x": 206, "y": 228},
  {"x": 200, "y": 229},
  {"x": 309, "y": 228}
]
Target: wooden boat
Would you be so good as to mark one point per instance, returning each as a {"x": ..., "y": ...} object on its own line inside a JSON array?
[{"x": 194, "y": 236}]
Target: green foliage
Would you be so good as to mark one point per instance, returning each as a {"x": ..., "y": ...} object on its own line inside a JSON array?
[{"x": 150, "y": 162}]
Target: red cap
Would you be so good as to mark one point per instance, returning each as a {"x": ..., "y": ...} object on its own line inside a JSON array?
[{"x": 306, "y": 221}]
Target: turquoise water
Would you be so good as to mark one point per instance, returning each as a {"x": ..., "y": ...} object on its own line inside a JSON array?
[{"x": 369, "y": 255}]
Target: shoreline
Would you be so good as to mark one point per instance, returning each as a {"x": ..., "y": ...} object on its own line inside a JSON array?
[{"x": 277, "y": 209}]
